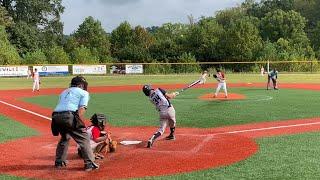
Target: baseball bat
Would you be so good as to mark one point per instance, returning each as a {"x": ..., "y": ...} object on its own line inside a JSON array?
[{"x": 190, "y": 85}]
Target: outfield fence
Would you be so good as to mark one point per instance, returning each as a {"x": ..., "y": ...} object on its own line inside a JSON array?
[{"x": 163, "y": 68}]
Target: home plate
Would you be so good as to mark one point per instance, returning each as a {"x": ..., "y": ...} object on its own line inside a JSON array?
[{"x": 130, "y": 142}]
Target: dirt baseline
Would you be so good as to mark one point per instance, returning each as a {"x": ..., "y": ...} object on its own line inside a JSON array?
[{"x": 194, "y": 149}]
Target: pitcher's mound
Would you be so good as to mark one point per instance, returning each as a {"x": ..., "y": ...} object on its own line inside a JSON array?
[{"x": 221, "y": 97}]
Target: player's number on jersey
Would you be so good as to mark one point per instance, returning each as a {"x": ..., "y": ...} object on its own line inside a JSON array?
[{"x": 156, "y": 99}]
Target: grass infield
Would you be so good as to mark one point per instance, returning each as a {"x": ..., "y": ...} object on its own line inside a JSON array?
[
  {"x": 134, "y": 109},
  {"x": 10, "y": 130}
]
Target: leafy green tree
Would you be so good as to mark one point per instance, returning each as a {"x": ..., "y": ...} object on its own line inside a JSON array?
[
  {"x": 268, "y": 52},
  {"x": 138, "y": 50},
  {"x": 121, "y": 37},
  {"x": 186, "y": 68},
  {"x": 56, "y": 55},
  {"x": 281, "y": 24},
  {"x": 315, "y": 37},
  {"x": 241, "y": 40},
  {"x": 36, "y": 57},
  {"x": 227, "y": 16},
  {"x": 260, "y": 9},
  {"x": 310, "y": 10},
  {"x": 142, "y": 38},
  {"x": 83, "y": 55},
  {"x": 203, "y": 39},
  {"x": 8, "y": 53},
  {"x": 40, "y": 17},
  {"x": 90, "y": 34},
  {"x": 26, "y": 37},
  {"x": 5, "y": 19},
  {"x": 170, "y": 42},
  {"x": 70, "y": 44}
]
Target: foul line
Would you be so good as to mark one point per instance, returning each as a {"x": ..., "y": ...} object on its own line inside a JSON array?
[
  {"x": 252, "y": 130},
  {"x": 222, "y": 133},
  {"x": 25, "y": 110}
]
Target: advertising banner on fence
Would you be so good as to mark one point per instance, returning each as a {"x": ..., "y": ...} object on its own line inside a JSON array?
[
  {"x": 8, "y": 71},
  {"x": 134, "y": 69},
  {"x": 89, "y": 69},
  {"x": 52, "y": 70}
]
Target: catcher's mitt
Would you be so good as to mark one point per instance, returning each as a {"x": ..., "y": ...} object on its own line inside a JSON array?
[{"x": 113, "y": 146}]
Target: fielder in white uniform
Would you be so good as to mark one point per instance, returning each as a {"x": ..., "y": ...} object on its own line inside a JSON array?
[
  {"x": 36, "y": 80},
  {"x": 160, "y": 98},
  {"x": 203, "y": 77},
  {"x": 220, "y": 77}
]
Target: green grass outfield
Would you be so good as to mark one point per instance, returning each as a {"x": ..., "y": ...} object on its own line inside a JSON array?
[
  {"x": 282, "y": 157},
  {"x": 53, "y": 82}
]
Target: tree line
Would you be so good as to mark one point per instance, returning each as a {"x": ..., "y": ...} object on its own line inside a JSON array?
[{"x": 31, "y": 32}]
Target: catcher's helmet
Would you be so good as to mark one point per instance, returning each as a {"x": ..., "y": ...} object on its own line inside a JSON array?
[
  {"x": 79, "y": 80},
  {"x": 99, "y": 120},
  {"x": 146, "y": 89}
]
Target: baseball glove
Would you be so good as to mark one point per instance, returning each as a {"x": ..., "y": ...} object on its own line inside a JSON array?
[
  {"x": 215, "y": 76},
  {"x": 113, "y": 146}
]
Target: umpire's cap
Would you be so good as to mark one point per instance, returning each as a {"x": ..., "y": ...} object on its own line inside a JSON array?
[
  {"x": 79, "y": 80},
  {"x": 146, "y": 89}
]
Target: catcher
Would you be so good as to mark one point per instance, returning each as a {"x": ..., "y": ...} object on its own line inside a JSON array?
[{"x": 100, "y": 140}]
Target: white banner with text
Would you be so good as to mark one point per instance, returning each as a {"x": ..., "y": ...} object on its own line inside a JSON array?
[
  {"x": 89, "y": 69},
  {"x": 51, "y": 70},
  {"x": 8, "y": 71},
  {"x": 134, "y": 69}
]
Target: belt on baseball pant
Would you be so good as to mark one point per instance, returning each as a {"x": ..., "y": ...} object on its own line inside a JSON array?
[{"x": 64, "y": 112}]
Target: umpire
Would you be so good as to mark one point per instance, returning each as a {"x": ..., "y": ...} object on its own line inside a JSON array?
[{"x": 67, "y": 120}]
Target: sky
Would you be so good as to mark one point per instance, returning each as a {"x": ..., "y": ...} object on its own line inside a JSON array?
[{"x": 146, "y": 13}]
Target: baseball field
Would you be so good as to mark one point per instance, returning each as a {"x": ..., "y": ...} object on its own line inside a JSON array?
[{"x": 265, "y": 134}]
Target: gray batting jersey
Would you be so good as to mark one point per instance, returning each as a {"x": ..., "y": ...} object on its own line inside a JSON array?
[{"x": 159, "y": 99}]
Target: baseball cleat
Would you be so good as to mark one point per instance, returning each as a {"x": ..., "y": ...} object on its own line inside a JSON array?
[
  {"x": 150, "y": 142},
  {"x": 60, "y": 164},
  {"x": 91, "y": 166},
  {"x": 170, "y": 137}
]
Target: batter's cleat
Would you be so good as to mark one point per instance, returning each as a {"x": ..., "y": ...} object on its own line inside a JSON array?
[
  {"x": 98, "y": 156},
  {"x": 91, "y": 166},
  {"x": 150, "y": 143},
  {"x": 171, "y": 137},
  {"x": 60, "y": 164}
]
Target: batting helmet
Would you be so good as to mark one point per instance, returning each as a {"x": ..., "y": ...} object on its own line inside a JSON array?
[
  {"x": 99, "y": 120},
  {"x": 146, "y": 89},
  {"x": 79, "y": 80}
]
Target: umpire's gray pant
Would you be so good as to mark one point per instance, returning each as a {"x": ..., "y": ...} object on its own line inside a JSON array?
[{"x": 65, "y": 121}]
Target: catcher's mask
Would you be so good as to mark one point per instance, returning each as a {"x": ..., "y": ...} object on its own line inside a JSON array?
[
  {"x": 79, "y": 81},
  {"x": 147, "y": 89},
  {"x": 99, "y": 120}
]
